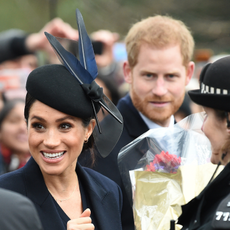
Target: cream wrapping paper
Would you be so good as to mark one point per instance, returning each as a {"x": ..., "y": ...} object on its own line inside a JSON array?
[{"x": 157, "y": 196}]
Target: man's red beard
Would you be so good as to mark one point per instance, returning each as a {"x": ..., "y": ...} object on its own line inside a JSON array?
[{"x": 160, "y": 114}]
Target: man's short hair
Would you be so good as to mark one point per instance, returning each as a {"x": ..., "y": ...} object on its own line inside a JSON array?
[{"x": 159, "y": 32}]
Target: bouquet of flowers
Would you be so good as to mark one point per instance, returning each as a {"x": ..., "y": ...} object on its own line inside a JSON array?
[{"x": 163, "y": 169}]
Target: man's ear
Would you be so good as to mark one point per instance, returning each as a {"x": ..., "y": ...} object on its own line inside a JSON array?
[
  {"x": 189, "y": 72},
  {"x": 127, "y": 72}
]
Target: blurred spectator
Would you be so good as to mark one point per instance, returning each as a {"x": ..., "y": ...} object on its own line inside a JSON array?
[
  {"x": 104, "y": 55},
  {"x": 201, "y": 57},
  {"x": 2, "y": 96},
  {"x": 13, "y": 136},
  {"x": 19, "y": 54},
  {"x": 15, "y": 43},
  {"x": 217, "y": 57},
  {"x": 104, "y": 44},
  {"x": 13, "y": 51}
]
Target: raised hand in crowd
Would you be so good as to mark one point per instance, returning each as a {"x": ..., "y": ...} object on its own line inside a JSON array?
[
  {"x": 108, "y": 39},
  {"x": 57, "y": 27}
]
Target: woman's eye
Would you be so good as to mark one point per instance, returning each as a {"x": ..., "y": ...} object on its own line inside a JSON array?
[
  {"x": 38, "y": 126},
  {"x": 65, "y": 126}
]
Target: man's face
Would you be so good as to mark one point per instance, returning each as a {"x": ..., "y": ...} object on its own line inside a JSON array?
[{"x": 158, "y": 82}]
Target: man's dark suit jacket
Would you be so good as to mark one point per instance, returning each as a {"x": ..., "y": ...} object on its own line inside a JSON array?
[
  {"x": 17, "y": 212},
  {"x": 104, "y": 196},
  {"x": 134, "y": 126}
]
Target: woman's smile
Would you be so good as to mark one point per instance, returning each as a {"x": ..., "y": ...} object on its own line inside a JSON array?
[
  {"x": 53, "y": 157},
  {"x": 55, "y": 138}
]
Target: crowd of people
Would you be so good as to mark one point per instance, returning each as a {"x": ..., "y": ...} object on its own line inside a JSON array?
[{"x": 51, "y": 149}]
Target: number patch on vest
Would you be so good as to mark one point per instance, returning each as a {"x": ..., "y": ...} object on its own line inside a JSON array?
[{"x": 223, "y": 216}]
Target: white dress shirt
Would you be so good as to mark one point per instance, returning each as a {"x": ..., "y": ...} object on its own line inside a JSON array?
[{"x": 153, "y": 125}]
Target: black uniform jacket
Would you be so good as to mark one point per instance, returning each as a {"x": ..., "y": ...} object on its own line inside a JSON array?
[
  {"x": 103, "y": 196},
  {"x": 134, "y": 126},
  {"x": 200, "y": 212}
]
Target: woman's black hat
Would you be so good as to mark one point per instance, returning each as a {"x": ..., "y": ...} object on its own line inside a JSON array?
[
  {"x": 214, "y": 89},
  {"x": 56, "y": 87},
  {"x": 71, "y": 89}
]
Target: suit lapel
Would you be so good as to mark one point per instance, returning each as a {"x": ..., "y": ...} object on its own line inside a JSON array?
[
  {"x": 100, "y": 202},
  {"x": 36, "y": 188},
  {"x": 132, "y": 119}
]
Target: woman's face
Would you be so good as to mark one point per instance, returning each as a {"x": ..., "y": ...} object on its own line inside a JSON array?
[
  {"x": 13, "y": 133},
  {"x": 55, "y": 138},
  {"x": 216, "y": 131}
]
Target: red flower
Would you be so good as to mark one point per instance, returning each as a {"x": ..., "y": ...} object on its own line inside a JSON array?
[
  {"x": 164, "y": 162},
  {"x": 150, "y": 167}
]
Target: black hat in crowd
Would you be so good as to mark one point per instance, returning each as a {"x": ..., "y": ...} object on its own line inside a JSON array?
[
  {"x": 12, "y": 44},
  {"x": 214, "y": 89},
  {"x": 71, "y": 89}
]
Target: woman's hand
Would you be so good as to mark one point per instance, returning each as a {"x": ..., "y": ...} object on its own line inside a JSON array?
[{"x": 84, "y": 222}]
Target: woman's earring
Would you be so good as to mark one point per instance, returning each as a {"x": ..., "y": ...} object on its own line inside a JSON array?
[{"x": 86, "y": 141}]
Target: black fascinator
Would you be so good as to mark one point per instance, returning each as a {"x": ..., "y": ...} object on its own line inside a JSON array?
[{"x": 77, "y": 92}]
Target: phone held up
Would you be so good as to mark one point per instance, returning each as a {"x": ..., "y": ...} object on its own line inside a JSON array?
[{"x": 98, "y": 47}]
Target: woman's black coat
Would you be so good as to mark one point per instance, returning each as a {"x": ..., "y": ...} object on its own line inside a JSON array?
[{"x": 105, "y": 199}]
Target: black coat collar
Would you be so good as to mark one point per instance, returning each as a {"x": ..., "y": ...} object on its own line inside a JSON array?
[
  {"x": 37, "y": 191},
  {"x": 132, "y": 120}
]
